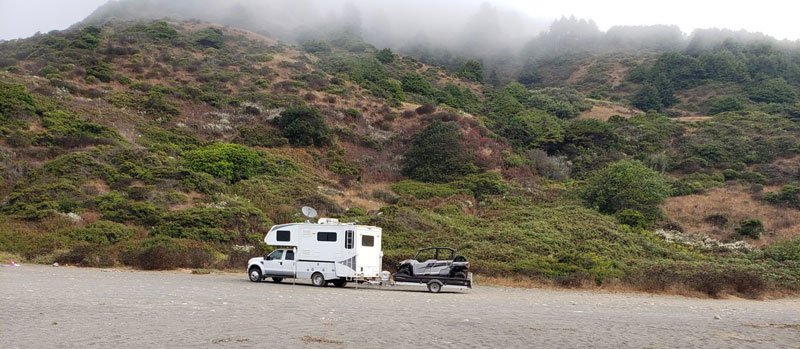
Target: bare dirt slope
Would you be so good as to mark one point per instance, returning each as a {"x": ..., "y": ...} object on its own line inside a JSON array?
[{"x": 42, "y": 307}]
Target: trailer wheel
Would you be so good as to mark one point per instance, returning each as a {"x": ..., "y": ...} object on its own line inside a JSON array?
[
  {"x": 434, "y": 286},
  {"x": 255, "y": 274},
  {"x": 318, "y": 280},
  {"x": 276, "y": 279}
]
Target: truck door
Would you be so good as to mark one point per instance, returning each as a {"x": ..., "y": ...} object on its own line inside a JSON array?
[
  {"x": 287, "y": 266},
  {"x": 274, "y": 263}
]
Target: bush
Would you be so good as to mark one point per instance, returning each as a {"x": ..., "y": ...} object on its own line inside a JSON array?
[
  {"x": 116, "y": 207},
  {"x": 226, "y": 224},
  {"x": 316, "y": 46},
  {"x": 772, "y": 91},
  {"x": 260, "y": 136},
  {"x": 437, "y": 154},
  {"x": 632, "y": 218},
  {"x": 210, "y": 37},
  {"x": 789, "y": 196},
  {"x": 530, "y": 130},
  {"x": 626, "y": 185},
  {"x": 103, "y": 233},
  {"x": 553, "y": 167},
  {"x": 751, "y": 228},
  {"x": 725, "y": 105},
  {"x": 421, "y": 190},
  {"x": 353, "y": 113},
  {"x": 471, "y": 70},
  {"x": 304, "y": 126},
  {"x": 14, "y": 100},
  {"x": 425, "y": 109},
  {"x": 385, "y": 56},
  {"x": 230, "y": 161}
]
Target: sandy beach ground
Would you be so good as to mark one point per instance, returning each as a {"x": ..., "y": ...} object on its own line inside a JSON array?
[{"x": 46, "y": 307}]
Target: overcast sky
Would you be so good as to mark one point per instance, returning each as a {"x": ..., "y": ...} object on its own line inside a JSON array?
[{"x": 23, "y": 18}]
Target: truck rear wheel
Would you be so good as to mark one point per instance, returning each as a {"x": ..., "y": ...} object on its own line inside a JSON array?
[
  {"x": 277, "y": 279},
  {"x": 318, "y": 280},
  {"x": 340, "y": 283},
  {"x": 255, "y": 274},
  {"x": 434, "y": 286}
]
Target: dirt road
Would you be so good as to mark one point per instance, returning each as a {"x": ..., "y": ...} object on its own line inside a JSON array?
[{"x": 43, "y": 307}]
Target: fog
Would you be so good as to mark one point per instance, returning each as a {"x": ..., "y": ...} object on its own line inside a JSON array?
[{"x": 461, "y": 26}]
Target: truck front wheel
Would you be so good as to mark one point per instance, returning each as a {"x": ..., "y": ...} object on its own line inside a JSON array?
[
  {"x": 318, "y": 280},
  {"x": 255, "y": 274}
]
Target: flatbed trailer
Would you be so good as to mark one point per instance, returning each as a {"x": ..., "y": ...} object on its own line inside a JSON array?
[{"x": 435, "y": 284}]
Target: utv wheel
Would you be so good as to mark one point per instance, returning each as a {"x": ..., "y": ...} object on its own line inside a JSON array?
[
  {"x": 460, "y": 259},
  {"x": 460, "y": 275},
  {"x": 434, "y": 286},
  {"x": 318, "y": 280},
  {"x": 255, "y": 274},
  {"x": 276, "y": 279},
  {"x": 339, "y": 283}
]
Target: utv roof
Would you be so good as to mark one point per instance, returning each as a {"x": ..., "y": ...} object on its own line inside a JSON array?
[{"x": 438, "y": 248}]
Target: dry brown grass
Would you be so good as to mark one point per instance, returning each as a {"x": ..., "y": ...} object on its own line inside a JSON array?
[
  {"x": 735, "y": 204},
  {"x": 603, "y": 111}
]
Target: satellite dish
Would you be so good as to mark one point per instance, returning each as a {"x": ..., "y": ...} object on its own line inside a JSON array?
[{"x": 309, "y": 212}]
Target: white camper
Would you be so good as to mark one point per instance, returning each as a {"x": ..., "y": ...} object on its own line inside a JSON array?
[{"x": 326, "y": 251}]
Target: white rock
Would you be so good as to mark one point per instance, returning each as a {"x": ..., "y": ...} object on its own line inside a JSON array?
[{"x": 55, "y": 264}]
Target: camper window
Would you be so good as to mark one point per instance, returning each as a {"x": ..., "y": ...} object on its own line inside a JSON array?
[
  {"x": 283, "y": 235},
  {"x": 324, "y": 236},
  {"x": 367, "y": 240}
]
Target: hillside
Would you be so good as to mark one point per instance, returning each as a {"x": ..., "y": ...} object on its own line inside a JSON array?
[{"x": 177, "y": 144}]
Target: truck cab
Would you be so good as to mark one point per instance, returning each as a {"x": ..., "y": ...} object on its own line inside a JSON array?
[{"x": 276, "y": 265}]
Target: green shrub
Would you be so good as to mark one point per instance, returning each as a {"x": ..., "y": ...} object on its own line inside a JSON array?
[
  {"x": 100, "y": 70},
  {"x": 784, "y": 250},
  {"x": 471, "y": 70},
  {"x": 751, "y": 228},
  {"x": 14, "y": 100},
  {"x": 353, "y": 113},
  {"x": 422, "y": 190},
  {"x": 385, "y": 56},
  {"x": 230, "y": 161},
  {"x": 103, "y": 233},
  {"x": 316, "y": 46},
  {"x": 261, "y": 136},
  {"x": 626, "y": 185},
  {"x": 789, "y": 196},
  {"x": 775, "y": 90},
  {"x": 116, "y": 207},
  {"x": 303, "y": 126},
  {"x": 483, "y": 184},
  {"x": 437, "y": 154},
  {"x": 725, "y": 105},
  {"x": 530, "y": 130},
  {"x": 210, "y": 37},
  {"x": 226, "y": 224},
  {"x": 632, "y": 218}
]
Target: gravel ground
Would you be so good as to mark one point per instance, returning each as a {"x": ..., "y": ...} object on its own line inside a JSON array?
[{"x": 44, "y": 307}]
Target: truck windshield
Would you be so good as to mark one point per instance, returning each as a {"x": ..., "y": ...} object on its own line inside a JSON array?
[{"x": 275, "y": 255}]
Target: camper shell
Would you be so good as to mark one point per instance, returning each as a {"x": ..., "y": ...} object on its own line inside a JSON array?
[{"x": 326, "y": 251}]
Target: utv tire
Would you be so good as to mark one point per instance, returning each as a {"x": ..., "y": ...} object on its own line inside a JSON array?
[
  {"x": 460, "y": 275},
  {"x": 434, "y": 286},
  {"x": 276, "y": 279},
  {"x": 255, "y": 274},
  {"x": 317, "y": 279},
  {"x": 460, "y": 259},
  {"x": 405, "y": 271}
]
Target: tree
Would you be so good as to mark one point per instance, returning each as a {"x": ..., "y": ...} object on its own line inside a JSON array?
[
  {"x": 626, "y": 185},
  {"x": 385, "y": 56},
  {"x": 772, "y": 91},
  {"x": 303, "y": 126},
  {"x": 437, "y": 154},
  {"x": 211, "y": 37},
  {"x": 534, "y": 129},
  {"x": 647, "y": 98},
  {"x": 471, "y": 70}
]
